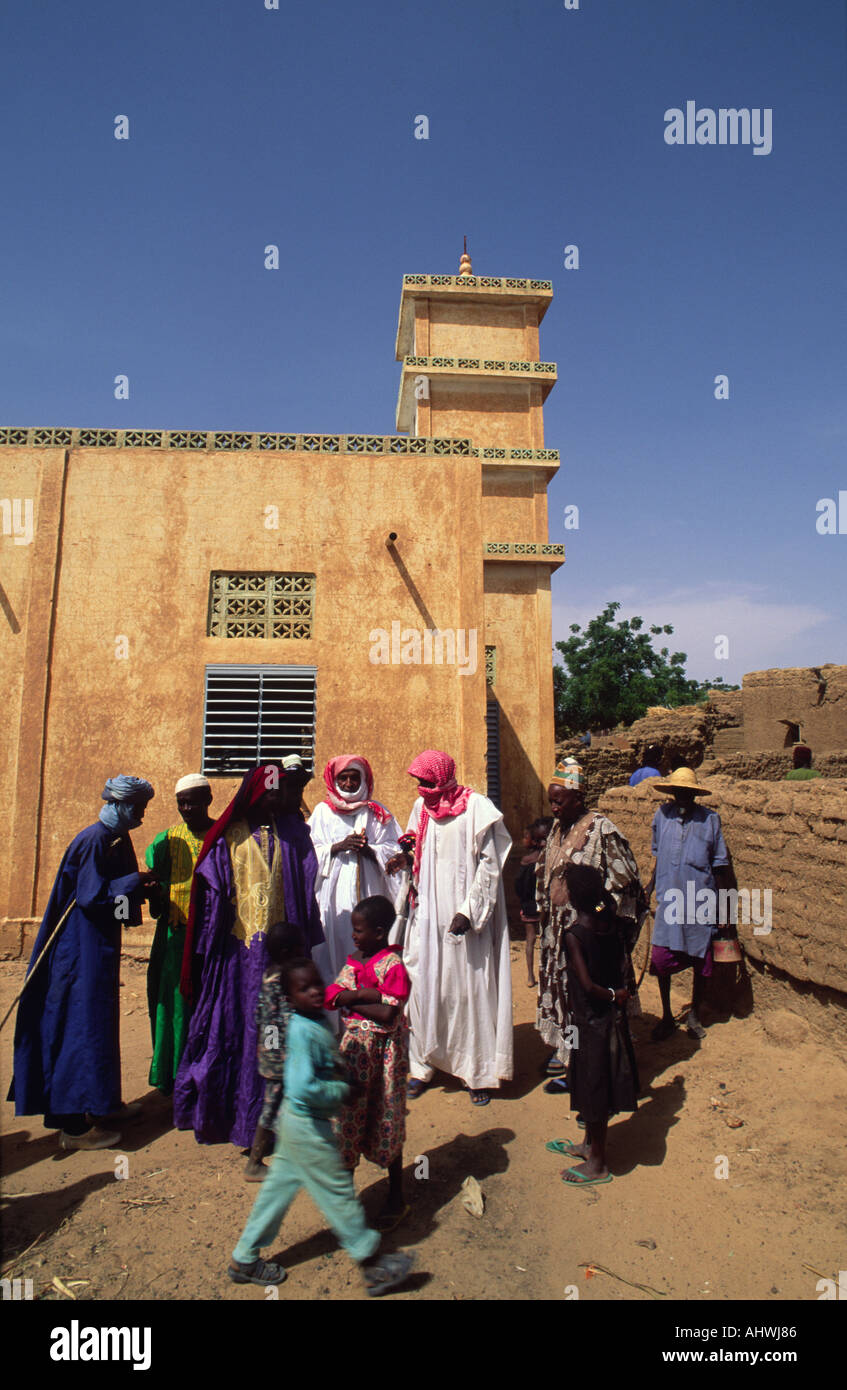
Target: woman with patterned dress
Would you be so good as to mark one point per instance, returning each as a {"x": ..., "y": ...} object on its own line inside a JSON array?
[
  {"x": 579, "y": 837},
  {"x": 172, "y": 857},
  {"x": 373, "y": 987}
]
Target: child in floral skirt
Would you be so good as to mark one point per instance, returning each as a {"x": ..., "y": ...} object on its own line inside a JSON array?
[{"x": 373, "y": 989}]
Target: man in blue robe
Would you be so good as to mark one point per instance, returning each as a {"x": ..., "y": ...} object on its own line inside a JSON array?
[
  {"x": 67, "y": 1046},
  {"x": 692, "y": 866}
]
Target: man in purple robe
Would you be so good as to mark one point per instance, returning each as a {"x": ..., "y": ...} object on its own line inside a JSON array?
[{"x": 257, "y": 866}]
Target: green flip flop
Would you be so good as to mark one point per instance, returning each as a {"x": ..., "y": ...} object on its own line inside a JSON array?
[
  {"x": 580, "y": 1180},
  {"x": 560, "y": 1146}
]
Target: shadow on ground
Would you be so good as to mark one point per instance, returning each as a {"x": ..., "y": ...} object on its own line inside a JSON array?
[
  {"x": 429, "y": 1188},
  {"x": 31, "y": 1215}
]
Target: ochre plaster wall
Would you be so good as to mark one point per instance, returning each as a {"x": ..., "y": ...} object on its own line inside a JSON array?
[
  {"x": 25, "y": 633},
  {"x": 508, "y": 508},
  {"x": 143, "y": 530},
  {"x": 518, "y": 624},
  {"x": 482, "y": 411},
  {"x": 477, "y": 330}
]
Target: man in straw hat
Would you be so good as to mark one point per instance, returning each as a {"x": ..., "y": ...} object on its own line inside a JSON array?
[
  {"x": 691, "y": 864},
  {"x": 172, "y": 857}
]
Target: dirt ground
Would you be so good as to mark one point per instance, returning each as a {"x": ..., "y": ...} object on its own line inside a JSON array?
[{"x": 666, "y": 1226}]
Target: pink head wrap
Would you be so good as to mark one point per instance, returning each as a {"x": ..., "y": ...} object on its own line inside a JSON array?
[
  {"x": 340, "y": 804},
  {"x": 445, "y": 798}
]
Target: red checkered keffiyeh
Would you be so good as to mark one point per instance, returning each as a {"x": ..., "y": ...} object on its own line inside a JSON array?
[{"x": 445, "y": 798}]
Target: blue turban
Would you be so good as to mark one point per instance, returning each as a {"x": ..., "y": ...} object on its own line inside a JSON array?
[
  {"x": 121, "y": 794},
  {"x": 127, "y": 789}
]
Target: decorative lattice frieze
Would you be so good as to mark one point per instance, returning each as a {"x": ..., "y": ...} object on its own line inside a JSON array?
[
  {"x": 525, "y": 549},
  {"x": 222, "y": 440},
  {"x": 45, "y": 438},
  {"x": 472, "y": 282},
  {"x": 490, "y": 665},
  {"x": 477, "y": 364}
]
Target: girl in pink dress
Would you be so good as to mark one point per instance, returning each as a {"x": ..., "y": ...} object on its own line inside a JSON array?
[{"x": 373, "y": 988}]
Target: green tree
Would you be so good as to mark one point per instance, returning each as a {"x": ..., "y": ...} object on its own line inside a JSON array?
[{"x": 612, "y": 674}]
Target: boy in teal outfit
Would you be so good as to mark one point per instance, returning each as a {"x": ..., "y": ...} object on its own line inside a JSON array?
[{"x": 306, "y": 1154}]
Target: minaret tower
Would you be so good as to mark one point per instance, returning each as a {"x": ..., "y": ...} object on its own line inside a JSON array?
[
  {"x": 470, "y": 354},
  {"x": 472, "y": 370}
]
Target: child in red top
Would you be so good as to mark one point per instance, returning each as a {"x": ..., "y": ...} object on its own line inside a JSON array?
[{"x": 373, "y": 988}]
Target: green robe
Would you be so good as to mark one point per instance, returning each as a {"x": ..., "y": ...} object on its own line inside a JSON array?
[{"x": 172, "y": 857}]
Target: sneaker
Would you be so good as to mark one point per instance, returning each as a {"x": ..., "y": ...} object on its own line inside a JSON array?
[
  {"x": 93, "y": 1138},
  {"x": 387, "y": 1273},
  {"x": 259, "y": 1272}
]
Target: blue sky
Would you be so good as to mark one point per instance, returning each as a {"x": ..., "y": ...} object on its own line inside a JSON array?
[{"x": 296, "y": 127}]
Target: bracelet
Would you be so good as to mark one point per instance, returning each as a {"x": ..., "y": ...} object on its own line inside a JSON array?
[{"x": 612, "y": 992}]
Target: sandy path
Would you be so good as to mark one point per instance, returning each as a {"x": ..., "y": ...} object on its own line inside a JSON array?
[{"x": 165, "y": 1232}]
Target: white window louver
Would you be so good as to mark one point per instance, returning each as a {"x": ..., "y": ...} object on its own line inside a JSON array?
[{"x": 254, "y": 714}]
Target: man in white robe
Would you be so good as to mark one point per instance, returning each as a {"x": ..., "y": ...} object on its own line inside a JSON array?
[
  {"x": 354, "y": 838},
  {"x": 456, "y": 946}
]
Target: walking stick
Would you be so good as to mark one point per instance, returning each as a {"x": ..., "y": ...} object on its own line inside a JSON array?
[
  {"x": 647, "y": 955},
  {"x": 46, "y": 947}
]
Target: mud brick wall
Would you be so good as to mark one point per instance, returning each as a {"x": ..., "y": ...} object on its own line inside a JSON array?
[
  {"x": 680, "y": 733},
  {"x": 607, "y": 767},
  {"x": 770, "y": 767},
  {"x": 813, "y": 697},
  {"x": 724, "y": 710},
  {"x": 791, "y": 839}
]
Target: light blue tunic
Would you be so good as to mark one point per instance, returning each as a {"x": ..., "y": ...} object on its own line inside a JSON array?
[{"x": 687, "y": 851}]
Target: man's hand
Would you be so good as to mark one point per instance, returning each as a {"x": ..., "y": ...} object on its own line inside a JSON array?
[
  {"x": 149, "y": 884},
  {"x": 459, "y": 925},
  {"x": 354, "y": 843},
  {"x": 397, "y": 862}
]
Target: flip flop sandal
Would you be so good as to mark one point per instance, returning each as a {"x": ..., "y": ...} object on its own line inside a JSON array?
[
  {"x": 556, "y": 1086},
  {"x": 384, "y": 1224},
  {"x": 580, "y": 1180},
  {"x": 560, "y": 1146},
  {"x": 388, "y": 1273},
  {"x": 415, "y": 1088},
  {"x": 259, "y": 1272},
  {"x": 479, "y": 1097}
]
